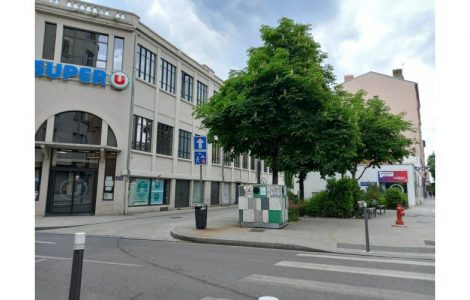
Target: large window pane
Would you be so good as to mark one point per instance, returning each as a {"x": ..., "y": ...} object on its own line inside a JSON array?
[
  {"x": 49, "y": 41},
  {"x": 142, "y": 136},
  {"x": 139, "y": 191},
  {"x": 145, "y": 64},
  {"x": 118, "y": 53},
  {"x": 184, "y": 145},
  {"x": 168, "y": 82},
  {"x": 84, "y": 48},
  {"x": 41, "y": 133},
  {"x": 164, "y": 139},
  {"x": 201, "y": 92},
  {"x": 77, "y": 127}
]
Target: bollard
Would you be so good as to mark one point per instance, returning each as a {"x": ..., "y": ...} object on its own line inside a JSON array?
[
  {"x": 366, "y": 217},
  {"x": 363, "y": 205},
  {"x": 76, "y": 278}
]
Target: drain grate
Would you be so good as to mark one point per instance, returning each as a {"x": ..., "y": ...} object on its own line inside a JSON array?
[{"x": 256, "y": 230}]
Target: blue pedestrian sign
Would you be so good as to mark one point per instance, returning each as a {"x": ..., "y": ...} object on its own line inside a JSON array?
[
  {"x": 200, "y": 158},
  {"x": 200, "y": 143}
]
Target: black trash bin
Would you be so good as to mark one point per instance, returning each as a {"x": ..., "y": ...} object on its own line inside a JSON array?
[{"x": 200, "y": 212}]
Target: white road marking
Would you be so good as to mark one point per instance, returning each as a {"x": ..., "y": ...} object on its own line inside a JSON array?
[
  {"x": 92, "y": 261},
  {"x": 44, "y": 242},
  {"x": 356, "y": 270},
  {"x": 41, "y": 259},
  {"x": 358, "y": 292},
  {"x": 389, "y": 261}
]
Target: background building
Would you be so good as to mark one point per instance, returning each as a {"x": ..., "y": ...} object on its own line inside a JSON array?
[
  {"x": 401, "y": 96},
  {"x": 114, "y": 123}
]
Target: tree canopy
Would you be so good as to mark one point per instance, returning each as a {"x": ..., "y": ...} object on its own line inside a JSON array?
[
  {"x": 432, "y": 165},
  {"x": 382, "y": 138},
  {"x": 272, "y": 106}
]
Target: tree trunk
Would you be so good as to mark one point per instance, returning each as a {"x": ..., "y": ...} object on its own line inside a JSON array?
[
  {"x": 302, "y": 176},
  {"x": 275, "y": 172}
]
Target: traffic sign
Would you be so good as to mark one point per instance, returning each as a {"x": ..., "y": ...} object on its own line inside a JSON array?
[
  {"x": 200, "y": 143},
  {"x": 200, "y": 158}
]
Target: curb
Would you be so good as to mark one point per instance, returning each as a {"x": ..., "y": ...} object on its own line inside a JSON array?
[
  {"x": 279, "y": 246},
  {"x": 244, "y": 243}
]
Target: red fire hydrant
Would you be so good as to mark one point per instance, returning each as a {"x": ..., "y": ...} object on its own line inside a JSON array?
[{"x": 400, "y": 214}]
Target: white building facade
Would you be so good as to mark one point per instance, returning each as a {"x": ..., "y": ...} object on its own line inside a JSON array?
[{"x": 114, "y": 124}]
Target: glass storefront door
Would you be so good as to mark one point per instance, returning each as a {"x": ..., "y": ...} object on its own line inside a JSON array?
[
  {"x": 73, "y": 181},
  {"x": 73, "y": 192}
]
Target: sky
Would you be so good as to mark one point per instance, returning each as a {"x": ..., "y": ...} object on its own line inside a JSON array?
[{"x": 358, "y": 35}]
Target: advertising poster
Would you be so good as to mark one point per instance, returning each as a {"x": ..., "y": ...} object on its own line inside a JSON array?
[
  {"x": 156, "y": 194},
  {"x": 140, "y": 191}
]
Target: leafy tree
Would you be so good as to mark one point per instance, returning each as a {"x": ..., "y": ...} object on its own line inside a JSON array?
[
  {"x": 337, "y": 139},
  {"x": 432, "y": 165},
  {"x": 272, "y": 106},
  {"x": 382, "y": 138}
]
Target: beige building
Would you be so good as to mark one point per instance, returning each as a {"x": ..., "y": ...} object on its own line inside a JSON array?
[
  {"x": 114, "y": 125},
  {"x": 401, "y": 96}
]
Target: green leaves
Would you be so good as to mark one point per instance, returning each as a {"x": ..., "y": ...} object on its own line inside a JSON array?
[{"x": 270, "y": 108}]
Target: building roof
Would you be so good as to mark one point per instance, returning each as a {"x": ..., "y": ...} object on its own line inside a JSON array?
[{"x": 377, "y": 73}]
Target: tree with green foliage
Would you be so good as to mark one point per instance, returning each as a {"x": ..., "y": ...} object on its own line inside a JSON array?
[
  {"x": 272, "y": 106},
  {"x": 432, "y": 165},
  {"x": 382, "y": 138},
  {"x": 337, "y": 139}
]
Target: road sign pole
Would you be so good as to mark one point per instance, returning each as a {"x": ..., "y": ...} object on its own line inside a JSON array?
[{"x": 200, "y": 180}]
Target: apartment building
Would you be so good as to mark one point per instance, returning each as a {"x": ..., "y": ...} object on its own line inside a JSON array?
[
  {"x": 401, "y": 96},
  {"x": 113, "y": 117}
]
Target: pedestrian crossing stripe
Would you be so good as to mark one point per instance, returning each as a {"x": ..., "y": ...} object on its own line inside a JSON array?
[
  {"x": 357, "y": 270},
  {"x": 372, "y": 259},
  {"x": 338, "y": 288}
]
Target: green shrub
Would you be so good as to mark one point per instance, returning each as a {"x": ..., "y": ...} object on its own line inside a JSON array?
[
  {"x": 341, "y": 197},
  {"x": 292, "y": 197},
  {"x": 314, "y": 206},
  {"x": 293, "y": 214},
  {"x": 393, "y": 196},
  {"x": 372, "y": 193}
]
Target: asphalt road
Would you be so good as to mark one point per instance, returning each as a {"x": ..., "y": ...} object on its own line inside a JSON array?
[{"x": 116, "y": 268}]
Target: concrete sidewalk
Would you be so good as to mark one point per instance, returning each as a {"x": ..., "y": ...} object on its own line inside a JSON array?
[{"x": 416, "y": 240}]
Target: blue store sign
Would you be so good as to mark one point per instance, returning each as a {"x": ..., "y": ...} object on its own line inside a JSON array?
[{"x": 85, "y": 75}]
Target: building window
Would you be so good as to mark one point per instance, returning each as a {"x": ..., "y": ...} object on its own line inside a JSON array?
[
  {"x": 215, "y": 93},
  {"x": 49, "y": 41},
  {"x": 265, "y": 167},
  {"x": 252, "y": 163},
  {"x": 187, "y": 87},
  {"x": 146, "y": 64},
  {"x": 227, "y": 160},
  {"x": 236, "y": 161},
  {"x": 77, "y": 127},
  {"x": 164, "y": 139},
  {"x": 84, "y": 48},
  {"x": 168, "y": 81},
  {"x": 142, "y": 137},
  {"x": 41, "y": 133},
  {"x": 245, "y": 160},
  {"x": 215, "y": 154},
  {"x": 146, "y": 191},
  {"x": 201, "y": 92},
  {"x": 111, "y": 138},
  {"x": 184, "y": 145},
  {"x": 118, "y": 53}
]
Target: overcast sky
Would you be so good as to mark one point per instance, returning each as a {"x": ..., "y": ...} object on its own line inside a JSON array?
[{"x": 358, "y": 35}]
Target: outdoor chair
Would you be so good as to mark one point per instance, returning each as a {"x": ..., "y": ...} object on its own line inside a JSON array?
[{"x": 378, "y": 206}]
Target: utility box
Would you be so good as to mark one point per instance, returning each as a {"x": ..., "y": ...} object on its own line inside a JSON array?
[{"x": 263, "y": 206}]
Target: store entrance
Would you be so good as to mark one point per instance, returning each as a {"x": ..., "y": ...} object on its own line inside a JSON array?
[
  {"x": 72, "y": 183},
  {"x": 73, "y": 192}
]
